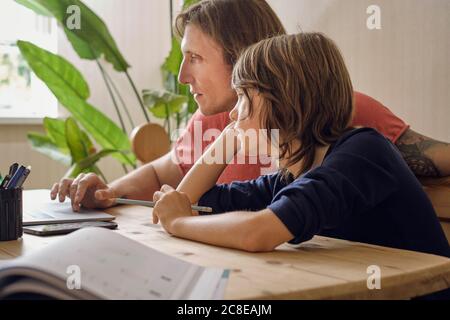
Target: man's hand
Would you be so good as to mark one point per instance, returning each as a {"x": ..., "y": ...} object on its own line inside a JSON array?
[
  {"x": 170, "y": 205},
  {"x": 87, "y": 190}
]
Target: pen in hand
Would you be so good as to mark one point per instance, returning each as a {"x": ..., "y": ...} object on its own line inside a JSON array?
[{"x": 151, "y": 204}]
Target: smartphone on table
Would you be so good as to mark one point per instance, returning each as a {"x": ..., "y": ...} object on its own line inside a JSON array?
[{"x": 65, "y": 228}]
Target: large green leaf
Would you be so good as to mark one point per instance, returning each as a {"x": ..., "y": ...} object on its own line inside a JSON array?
[
  {"x": 75, "y": 141},
  {"x": 54, "y": 70},
  {"x": 58, "y": 74},
  {"x": 88, "y": 142},
  {"x": 75, "y": 170},
  {"x": 45, "y": 145},
  {"x": 93, "y": 158},
  {"x": 93, "y": 31},
  {"x": 89, "y": 164},
  {"x": 173, "y": 60},
  {"x": 56, "y": 130},
  {"x": 102, "y": 129},
  {"x": 163, "y": 104},
  {"x": 82, "y": 48}
]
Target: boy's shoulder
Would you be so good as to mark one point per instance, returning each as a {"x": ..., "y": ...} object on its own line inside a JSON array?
[
  {"x": 363, "y": 134},
  {"x": 363, "y": 141}
]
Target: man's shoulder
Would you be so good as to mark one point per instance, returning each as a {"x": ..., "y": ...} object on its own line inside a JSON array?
[{"x": 365, "y": 100}]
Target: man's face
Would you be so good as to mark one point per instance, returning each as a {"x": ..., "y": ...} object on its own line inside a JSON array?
[{"x": 206, "y": 72}]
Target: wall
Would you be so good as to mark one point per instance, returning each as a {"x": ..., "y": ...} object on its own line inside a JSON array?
[{"x": 405, "y": 64}]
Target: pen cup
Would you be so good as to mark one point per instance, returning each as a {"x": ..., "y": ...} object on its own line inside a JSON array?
[{"x": 10, "y": 214}]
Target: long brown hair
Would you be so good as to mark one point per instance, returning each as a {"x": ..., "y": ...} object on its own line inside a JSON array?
[
  {"x": 307, "y": 89},
  {"x": 233, "y": 24}
]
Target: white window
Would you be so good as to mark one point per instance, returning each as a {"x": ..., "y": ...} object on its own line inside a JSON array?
[{"x": 24, "y": 97}]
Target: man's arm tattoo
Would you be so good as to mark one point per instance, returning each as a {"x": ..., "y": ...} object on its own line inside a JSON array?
[{"x": 413, "y": 147}]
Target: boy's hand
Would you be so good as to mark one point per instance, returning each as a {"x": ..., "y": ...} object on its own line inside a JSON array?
[{"x": 170, "y": 205}]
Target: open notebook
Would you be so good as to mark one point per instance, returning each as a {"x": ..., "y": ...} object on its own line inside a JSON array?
[
  {"x": 102, "y": 264},
  {"x": 39, "y": 209}
]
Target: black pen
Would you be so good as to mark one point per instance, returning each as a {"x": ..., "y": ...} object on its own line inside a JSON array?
[{"x": 13, "y": 168}]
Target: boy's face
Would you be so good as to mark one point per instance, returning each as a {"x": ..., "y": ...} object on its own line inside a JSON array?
[
  {"x": 250, "y": 132},
  {"x": 206, "y": 72}
]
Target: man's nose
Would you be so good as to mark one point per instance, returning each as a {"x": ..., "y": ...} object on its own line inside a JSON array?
[{"x": 184, "y": 77}]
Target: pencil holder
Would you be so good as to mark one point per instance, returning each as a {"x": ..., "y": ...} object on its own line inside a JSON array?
[{"x": 10, "y": 214}]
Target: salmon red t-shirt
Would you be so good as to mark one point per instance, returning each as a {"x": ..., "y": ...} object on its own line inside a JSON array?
[{"x": 201, "y": 131}]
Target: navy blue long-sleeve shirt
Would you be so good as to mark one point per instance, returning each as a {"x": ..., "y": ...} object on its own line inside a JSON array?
[{"x": 363, "y": 191}]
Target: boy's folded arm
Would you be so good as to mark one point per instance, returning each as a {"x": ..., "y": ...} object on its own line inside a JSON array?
[
  {"x": 200, "y": 179},
  {"x": 208, "y": 168},
  {"x": 258, "y": 231}
]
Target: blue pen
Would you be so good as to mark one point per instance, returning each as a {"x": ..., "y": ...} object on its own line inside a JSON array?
[
  {"x": 13, "y": 168},
  {"x": 24, "y": 176},
  {"x": 15, "y": 178}
]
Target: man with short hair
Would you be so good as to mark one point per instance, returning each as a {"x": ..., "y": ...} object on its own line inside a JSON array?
[{"x": 214, "y": 33}]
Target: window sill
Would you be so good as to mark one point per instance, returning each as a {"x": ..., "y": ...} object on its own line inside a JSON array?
[{"x": 21, "y": 120}]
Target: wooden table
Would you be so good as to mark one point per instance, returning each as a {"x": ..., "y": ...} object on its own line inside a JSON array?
[{"x": 322, "y": 268}]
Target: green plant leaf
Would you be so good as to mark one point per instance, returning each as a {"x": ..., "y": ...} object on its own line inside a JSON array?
[
  {"x": 163, "y": 104},
  {"x": 82, "y": 48},
  {"x": 54, "y": 70},
  {"x": 56, "y": 131},
  {"x": 93, "y": 158},
  {"x": 74, "y": 141},
  {"x": 93, "y": 30},
  {"x": 88, "y": 142},
  {"x": 102, "y": 129},
  {"x": 188, "y": 3},
  {"x": 170, "y": 70},
  {"x": 45, "y": 145},
  {"x": 75, "y": 170},
  {"x": 192, "y": 105},
  {"x": 173, "y": 60},
  {"x": 58, "y": 74}
]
